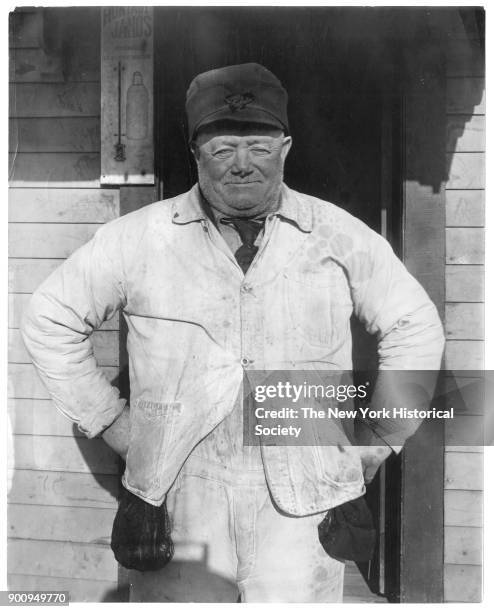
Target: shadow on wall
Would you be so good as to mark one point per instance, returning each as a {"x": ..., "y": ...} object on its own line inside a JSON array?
[
  {"x": 183, "y": 580},
  {"x": 448, "y": 43},
  {"x": 203, "y": 586},
  {"x": 99, "y": 455},
  {"x": 120, "y": 594}
]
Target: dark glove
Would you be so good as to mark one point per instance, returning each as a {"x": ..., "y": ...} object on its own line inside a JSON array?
[
  {"x": 347, "y": 531},
  {"x": 140, "y": 536}
]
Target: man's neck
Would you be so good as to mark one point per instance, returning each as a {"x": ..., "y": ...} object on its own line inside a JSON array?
[{"x": 215, "y": 214}]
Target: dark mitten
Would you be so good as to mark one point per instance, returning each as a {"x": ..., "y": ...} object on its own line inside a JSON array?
[
  {"x": 140, "y": 537},
  {"x": 347, "y": 531}
]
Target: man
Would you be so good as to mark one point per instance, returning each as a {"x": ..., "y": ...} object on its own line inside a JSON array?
[{"x": 239, "y": 274}]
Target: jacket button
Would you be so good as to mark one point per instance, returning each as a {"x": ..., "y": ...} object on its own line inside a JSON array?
[
  {"x": 245, "y": 362},
  {"x": 246, "y": 288}
]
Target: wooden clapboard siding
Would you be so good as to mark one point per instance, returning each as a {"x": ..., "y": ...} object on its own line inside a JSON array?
[
  {"x": 464, "y": 354},
  {"x": 464, "y": 245},
  {"x": 465, "y": 208},
  {"x": 25, "y": 275},
  {"x": 25, "y": 29},
  {"x": 48, "y": 205},
  {"x": 63, "y": 454},
  {"x": 62, "y": 559},
  {"x": 465, "y": 133},
  {"x": 18, "y": 302},
  {"x": 48, "y": 488},
  {"x": 54, "y": 100},
  {"x": 66, "y": 524},
  {"x": 463, "y": 508},
  {"x": 464, "y": 283},
  {"x": 462, "y": 583},
  {"x": 463, "y": 471},
  {"x": 54, "y": 169},
  {"x": 54, "y": 135},
  {"x": 466, "y": 170},
  {"x": 463, "y": 546},
  {"x": 464, "y": 314},
  {"x": 64, "y": 486},
  {"x": 465, "y": 321},
  {"x": 24, "y": 382},
  {"x": 465, "y": 449},
  {"x": 39, "y": 417},
  {"x": 54, "y": 45},
  {"x": 48, "y": 240},
  {"x": 34, "y": 64},
  {"x": 29, "y": 65}
]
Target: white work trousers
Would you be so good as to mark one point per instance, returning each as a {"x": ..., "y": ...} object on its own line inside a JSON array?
[{"x": 231, "y": 540}]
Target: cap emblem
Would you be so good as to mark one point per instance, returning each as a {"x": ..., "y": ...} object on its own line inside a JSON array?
[{"x": 238, "y": 102}]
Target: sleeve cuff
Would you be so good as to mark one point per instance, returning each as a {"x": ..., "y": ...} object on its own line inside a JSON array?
[{"x": 94, "y": 425}]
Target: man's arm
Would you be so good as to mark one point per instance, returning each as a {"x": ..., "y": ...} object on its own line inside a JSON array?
[
  {"x": 83, "y": 292},
  {"x": 396, "y": 308}
]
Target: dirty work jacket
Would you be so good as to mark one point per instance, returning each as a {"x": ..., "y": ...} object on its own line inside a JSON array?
[{"x": 196, "y": 323}]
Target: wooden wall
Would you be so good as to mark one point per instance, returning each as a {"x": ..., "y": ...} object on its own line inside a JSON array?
[
  {"x": 64, "y": 487},
  {"x": 464, "y": 313}
]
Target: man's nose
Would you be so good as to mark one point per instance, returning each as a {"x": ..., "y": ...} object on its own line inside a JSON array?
[{"x": 241, "y": 163}]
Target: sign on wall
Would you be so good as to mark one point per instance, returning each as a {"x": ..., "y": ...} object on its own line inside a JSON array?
[{"x": 127, "y": 148}]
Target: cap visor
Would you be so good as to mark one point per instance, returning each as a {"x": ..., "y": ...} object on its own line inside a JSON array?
[{"x": 246, "y": 115}]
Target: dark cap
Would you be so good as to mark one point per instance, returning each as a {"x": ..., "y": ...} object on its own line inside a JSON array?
[{"x": 243, "y": 93}]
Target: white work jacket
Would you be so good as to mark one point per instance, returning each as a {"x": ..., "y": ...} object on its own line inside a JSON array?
[{"x": 196, "y": 323}]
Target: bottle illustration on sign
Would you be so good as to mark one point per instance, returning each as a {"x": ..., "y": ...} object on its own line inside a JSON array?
[{"x": 136, "y": 112}]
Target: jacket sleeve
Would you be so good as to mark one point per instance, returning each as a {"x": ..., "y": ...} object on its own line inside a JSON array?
[
  {"x": 396, "y": 308},
  {"x": 62, "y": 314}
]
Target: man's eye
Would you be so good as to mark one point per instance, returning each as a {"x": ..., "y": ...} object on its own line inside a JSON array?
[
  {"x": 260, "y": 151},
  {"x": 223, "y": 153}
]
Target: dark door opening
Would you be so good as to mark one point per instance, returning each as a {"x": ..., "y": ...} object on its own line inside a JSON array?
[{"x": 345, "y": 120}]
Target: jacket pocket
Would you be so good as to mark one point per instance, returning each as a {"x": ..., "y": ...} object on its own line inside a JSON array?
[
  {"x": 319, "y": 306},
  {"x": 152, "y": 426},
  {"x": 338, "y": 465}
]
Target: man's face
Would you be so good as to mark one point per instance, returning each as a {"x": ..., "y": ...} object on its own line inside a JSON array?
[{"x": 240, "y": 173}]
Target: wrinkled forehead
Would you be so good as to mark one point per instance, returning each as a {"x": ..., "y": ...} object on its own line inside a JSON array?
[{"x": 237, "y": 131}]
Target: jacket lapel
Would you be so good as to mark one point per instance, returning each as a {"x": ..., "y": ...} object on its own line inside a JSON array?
[{"x": 286, "y": 233}]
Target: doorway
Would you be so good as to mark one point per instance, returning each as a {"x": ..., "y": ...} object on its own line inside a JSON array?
[{"x": 345, "y": 115}]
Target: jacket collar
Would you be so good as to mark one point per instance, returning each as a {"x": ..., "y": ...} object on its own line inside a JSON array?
[
  {"x": 188, "y": 209},
  {"x": 294, "y": 209}
]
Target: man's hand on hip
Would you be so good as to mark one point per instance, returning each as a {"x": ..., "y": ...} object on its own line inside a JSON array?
[
  {"x": 117, "y": 436},
  {"x": 371, "y": 458}
]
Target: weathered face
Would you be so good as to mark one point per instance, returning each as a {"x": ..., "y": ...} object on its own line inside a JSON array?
[{"x": 240, "y": 174}]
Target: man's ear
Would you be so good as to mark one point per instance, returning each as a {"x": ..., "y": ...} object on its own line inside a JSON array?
[
  {"x": 194, "y": 149},
  {"x": 286, "y": 146}
]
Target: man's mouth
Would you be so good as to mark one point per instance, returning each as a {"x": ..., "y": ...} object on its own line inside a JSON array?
[{"x": 242, "y": 182}]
